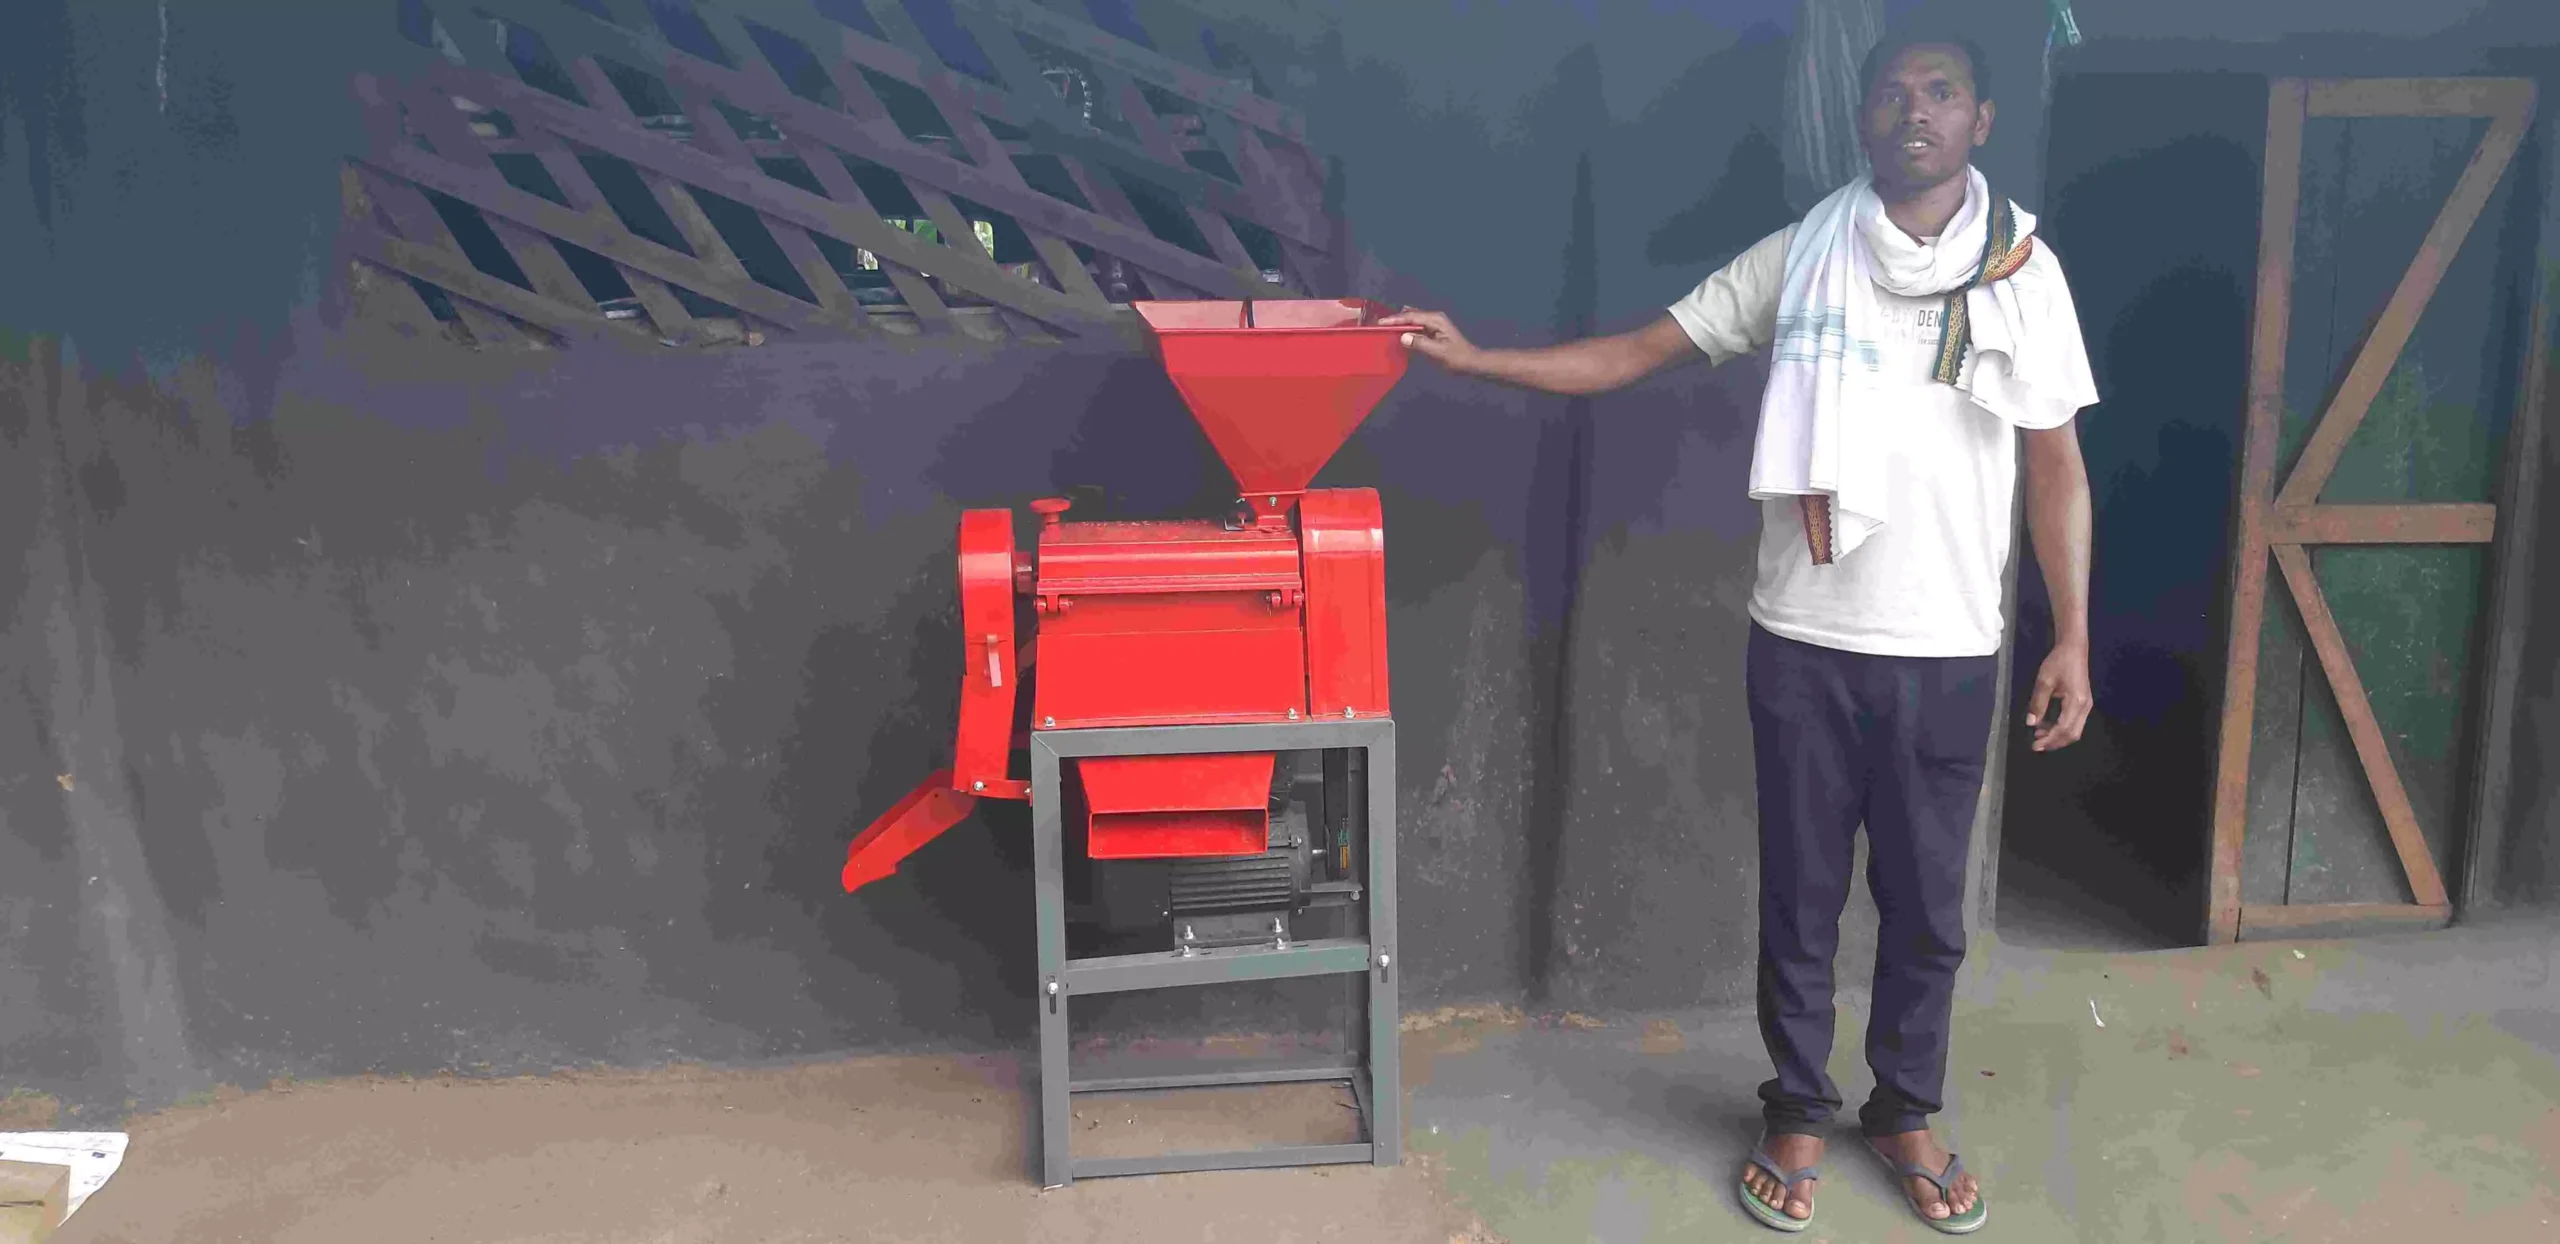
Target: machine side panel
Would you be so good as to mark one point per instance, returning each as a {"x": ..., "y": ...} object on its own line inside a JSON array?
[
  {"x": 989, "y": 676},
  {"x": 1170, "y": 677},
  {"x": 1344, "y": 530}
]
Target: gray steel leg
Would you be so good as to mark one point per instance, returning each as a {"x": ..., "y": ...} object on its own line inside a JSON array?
[
  {"x": 1377, "y": 1081},
  {"x": 1386, "y": 1088},
  {"x": 1048, "y": 870}
]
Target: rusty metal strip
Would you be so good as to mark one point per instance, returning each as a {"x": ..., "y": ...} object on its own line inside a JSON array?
[
  {"x": 2273, "y": 920},
  {"x": 2268, "y": 334},
  {"x": 2430, "y": 523},
  {"x": 2382, "y": 347},
  {"x": 2372, "y": 749},
  {"x": 2420, "y": 97}
]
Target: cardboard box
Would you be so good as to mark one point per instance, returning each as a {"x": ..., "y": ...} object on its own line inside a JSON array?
[{"x": 34, "y": 1199}]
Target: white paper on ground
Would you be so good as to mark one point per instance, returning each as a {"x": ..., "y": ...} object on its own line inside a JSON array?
[{"x": 92, "y": 1156}]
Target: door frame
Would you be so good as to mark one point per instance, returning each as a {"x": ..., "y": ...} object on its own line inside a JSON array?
[{"x": 2280, "y": 524}]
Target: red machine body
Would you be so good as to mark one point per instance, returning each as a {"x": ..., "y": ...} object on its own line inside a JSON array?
[{"x": 1276, "y": 614}]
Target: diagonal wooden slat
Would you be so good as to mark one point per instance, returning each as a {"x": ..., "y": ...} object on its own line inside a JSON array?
[
  {"x": 1159, "y": 141},
  {"x": 455, "y": 274},
  {"x": 713, "y": 127},
  {"x": 382, "y": 295},
  {"x": 673, "y": 197},
  {"x": 883, "y": 144},
  {"x": 1271, "y": 182},
  {"x": 2280, "y": 205},
  {"x": 932, "y": 316},
  {"x": 492, "y": 194},
  {"x": 2372, "y": 749},
  {"x": 775, "y": 198},
  {"x": 439, "y": 117},
  {"x": 480, "y": 50},
  {"x": 2399, "y": 319},
  {"x": 922, "y": 301},
  {"x": 424, "y": 229},
  {"x": 573, "y": 32}
]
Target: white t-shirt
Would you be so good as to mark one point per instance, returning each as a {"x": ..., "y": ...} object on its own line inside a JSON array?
[{"x": 1927, "y": 583}]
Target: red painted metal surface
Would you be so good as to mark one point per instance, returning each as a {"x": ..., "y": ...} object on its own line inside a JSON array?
[
  {"x": 1168, "y": 623},
  {"x": 1344, "y": 532},
  {"x": 1277, "y": 386},
  {"x": 1161, "y": 807},
  {"x": 913, "y": 821},
  {"x": 1092, "y": 559},
  {"x": 990, "y": 677},
  {"x": 1278, "y": 619}
]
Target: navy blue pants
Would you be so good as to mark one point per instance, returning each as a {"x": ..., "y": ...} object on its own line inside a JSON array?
[{"x": 1840, "y": 738}]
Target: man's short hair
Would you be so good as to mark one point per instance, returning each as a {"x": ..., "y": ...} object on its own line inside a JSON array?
[{"x": 1978, "y": 65}]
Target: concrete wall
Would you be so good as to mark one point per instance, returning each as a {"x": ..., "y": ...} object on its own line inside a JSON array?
[
  {"x": 369, "y": 707},
  {"x": 377, "y": 707}
]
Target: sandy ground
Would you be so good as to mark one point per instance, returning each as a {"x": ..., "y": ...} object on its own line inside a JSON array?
[
  {"x": 905, "y": 1149},
  {"x": 2374, "y": 1092}
]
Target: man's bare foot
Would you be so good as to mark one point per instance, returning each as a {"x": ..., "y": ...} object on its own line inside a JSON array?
[
  {"x": 1791, "y": 1153},
  {"x": 1922, "y": 1148}
]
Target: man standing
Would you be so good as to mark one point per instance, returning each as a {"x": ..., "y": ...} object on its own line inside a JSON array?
[{"x": 1920, "y": 332}]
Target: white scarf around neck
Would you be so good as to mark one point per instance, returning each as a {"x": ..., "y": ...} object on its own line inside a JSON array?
[{"x": 2027, "y": 365}]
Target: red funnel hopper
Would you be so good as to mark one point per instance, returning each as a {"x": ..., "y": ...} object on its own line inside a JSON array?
[{"x": 1278, "y": 385}]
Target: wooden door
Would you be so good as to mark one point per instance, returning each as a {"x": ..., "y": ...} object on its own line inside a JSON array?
[{"x": 2376, "y": 434}]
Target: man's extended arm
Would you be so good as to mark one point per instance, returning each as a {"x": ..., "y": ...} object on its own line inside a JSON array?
[
  {"x": 2058, "y": 525},
  {"x": 1595, "y": 365}
]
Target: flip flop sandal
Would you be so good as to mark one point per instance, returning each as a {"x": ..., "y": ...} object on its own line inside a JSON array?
[
  {"x": 1775, "y": 1217},
  {"x": 1954, "y": 1224}
]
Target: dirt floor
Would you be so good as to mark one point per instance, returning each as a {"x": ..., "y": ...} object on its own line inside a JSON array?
[
  {"x": 2386, "y": 1090},
  {"x": 885, "y": 1149}
]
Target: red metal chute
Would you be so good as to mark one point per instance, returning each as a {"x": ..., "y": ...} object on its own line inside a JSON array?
[
  {"x": 912, "y": 822},
  {"x": 1162, "y": 807}
]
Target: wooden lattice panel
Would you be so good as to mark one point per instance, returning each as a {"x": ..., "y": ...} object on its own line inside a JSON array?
[{"x": 707, "y": 171}]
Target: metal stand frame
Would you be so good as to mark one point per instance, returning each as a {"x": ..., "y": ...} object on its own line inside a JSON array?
[{"x": 1373, "y": 1072}]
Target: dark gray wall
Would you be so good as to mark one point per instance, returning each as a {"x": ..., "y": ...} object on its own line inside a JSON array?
[
  {"x": 371, "y": 707},
  {"x": 376, "y": 707}
]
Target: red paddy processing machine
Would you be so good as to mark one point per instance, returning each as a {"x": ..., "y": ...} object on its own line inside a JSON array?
[{"x": 1210, "y": 756}]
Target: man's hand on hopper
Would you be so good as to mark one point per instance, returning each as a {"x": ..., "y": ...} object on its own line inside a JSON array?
[{"x": 1438, "y": 339}]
